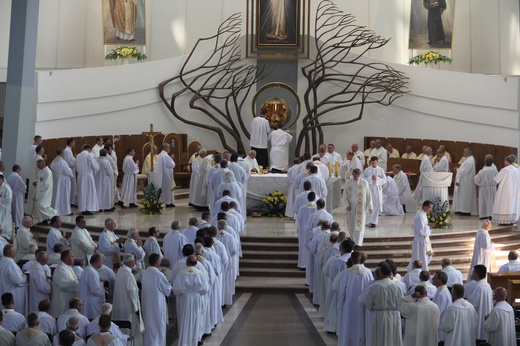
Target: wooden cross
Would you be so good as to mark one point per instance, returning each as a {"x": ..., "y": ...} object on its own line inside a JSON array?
[{"x": 151, "y": 134}]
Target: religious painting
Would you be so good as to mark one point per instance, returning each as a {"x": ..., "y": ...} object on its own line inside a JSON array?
[
  {"x": 431, "y": 24},
  {"x": 124, "y": 22},
  {"x": 277, "y": 22}
]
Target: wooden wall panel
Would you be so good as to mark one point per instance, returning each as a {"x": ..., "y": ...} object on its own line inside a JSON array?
[
  {"x": 415, "y": 143},
  {"x": 397, "y": 143}
]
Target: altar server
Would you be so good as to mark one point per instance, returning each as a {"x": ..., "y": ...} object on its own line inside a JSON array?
[{"x": 40, "y": 287}]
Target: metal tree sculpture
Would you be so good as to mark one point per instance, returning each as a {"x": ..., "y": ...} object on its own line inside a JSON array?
[
  {"x": 218, "y": 85},
  {"x": 349, "y": 82}
]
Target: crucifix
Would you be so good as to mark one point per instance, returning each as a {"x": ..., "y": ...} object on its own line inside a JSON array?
[{"x": 151, "y": 134}]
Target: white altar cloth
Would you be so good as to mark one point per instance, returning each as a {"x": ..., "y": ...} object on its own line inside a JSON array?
[{"x": 435, "y": 184}]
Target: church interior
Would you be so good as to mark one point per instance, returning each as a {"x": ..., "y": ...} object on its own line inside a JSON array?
[{"x": 56, "y": 82}]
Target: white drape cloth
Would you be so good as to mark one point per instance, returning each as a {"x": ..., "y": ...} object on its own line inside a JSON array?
[{"x": 435, "y": 184}]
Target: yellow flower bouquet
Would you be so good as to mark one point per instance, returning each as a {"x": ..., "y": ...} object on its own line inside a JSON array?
[
  {"x": 125, "y": 52},
  {"x": 274, "y": 204},
  {"x": 151, "y": 200},
  {"x": 439, "y": 214},
  {"x": 430, "y": 56}
]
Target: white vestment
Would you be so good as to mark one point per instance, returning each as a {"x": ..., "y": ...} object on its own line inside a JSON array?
[
  {"x": 164, "y": 171},
  {"x": 104, "y": 179},
  {"x": 32, "y": 337},
  {"x": 259, "y": 131},
  {"x": 126, "y": 303},
  {"x": 24, "y": 238},
  {"x": 381, "y": 300},
  {"x": 82, "y": 244},
  {"x": 480, "y": 295},
  {"x": 43, "y": 197},
  {"x": 405, "y": 193},
  {"x": 108, "y": 246},
  {"x": 47, "y": 323},
  {"x": 195, "y": 164},
  {"x": 62, "y": 320},
  {"x": 200, "y": 193},
  {"x": 292, "y": 173},
  {"x": 31, "y": 189},
  {"x": 138, "y": 251},
  {"x": 13, "y": 321},
  {"x": 128, "y": 189},
  {"x": 40, "y": 287},
  {"x": 65, "y": 286},
  {"x": 392, "y": 204},
  {"x": 53, "y": 237},
  {"x": 506, "y": 206},
  {"x": 15, "y": 282},
  {"x": 442, "y": 166},
  {"x": 348, "y": 167},
  {"x": 18, "y": 187},
  {"x": 421, "y": 248},
  {"x": 6, "y": 337},
  {"x": 318, "y": 186},
  {"x": 189, "y": 286},
  {"x": 229, "y": 275},
  {"x": 104, "y": 339},
  {"x": 426, "y": 166},
  {"x": 500, "y": 325},
  {"x": 113, "y": 163},
  {"x": 350, "y": 284},
  {"x": 86, "y": 165},
  {"x": 422, "y": 321},
  {"x": 454, "y": 276},
  {"x": 61, "y": 187},
  {"x": 151, "y": 246},
  {"x": 376, "y": 189},
  {"x": 300, "y": 200},
  {"x": 487, "y": 189},
  {"x": 483, "y": 250},
  {"x": 442, "y": 299},
  {"x": 459, "y": 323},
  {"x": 355, "y": 192},
  {"x": 91, "y": 292},
  {"x": 93, "y": 328},
  {"x": 155, "y": 312},
  {"x": 465, "y": 194},
  {"x": 69, "y": 158},
  {"x": 511, "y": 266},
  {"x": 147, "y": 164},
  {"x": 381, "y": 155},
  {"x": 278, "y": 156},
  {"x": 6, "y": 217},
  {"x": 173, "y": 243},
  {"x": 303, "y": 227}
]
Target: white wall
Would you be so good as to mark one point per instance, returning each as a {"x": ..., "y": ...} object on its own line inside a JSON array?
[
  {"x": 486, "y": 34},
  {"x": 441, "y": 104}
]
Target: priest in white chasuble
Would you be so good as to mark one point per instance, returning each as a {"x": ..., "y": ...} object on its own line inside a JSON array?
[
  {"x": 13, "y": 279},
  {"x": 382, "y": 299},
  {"x": 500, "y": 323},
  {"x": 130, "y": 170},
  {"x": 392, "y": 204},
  {"x": 199, "y": 191},
  {"x": 147, "y": 164},
  {"x": 478, "y": 292},
  {"x": 104, "y": 182},
  {"x": 91, "y": 290},
  {"x": 382, "y": 155},
  {"x": 376, "y": 178},
  {"x": 18, "y": 187},
  {"x": 357, "y": 200},
  {"x": 194, "y": 168},
  {"x": 318, "y": 183},
  {"x": 303, "y": 226},
  {"x": 164, "y": 178},
  {"x": 351, "y": 283},
  {"x": 40, "y": 287},
  {"x": 189, "y": 286},
  {"x": 127, "y": 305},
  {"x": 465, "y": 194},
  {"x": 65, "y": 284},
  {"x": 43, "y": 211},
  {"x": 460, "y": 320},
  {"x": 86, "y": 165},
  {"x": 426, "y": 166},
  {"x": 155, "y": 311},
  {"x": 422, "y": 318},
  {"x": 507, "y": 204},
  {"x": 62, "y": 175},
  {"x": 353, "y": 162},
  {"x": 487, "y": 188},
  {"x": 405, "y": 192},
  {"x": 69, "y": 158},
  {"x": 278, "y": 155},
  {"x": 440, "y": 162}
]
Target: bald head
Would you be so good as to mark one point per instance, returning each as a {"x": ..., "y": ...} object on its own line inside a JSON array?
[{"x": 500, "y": 294}]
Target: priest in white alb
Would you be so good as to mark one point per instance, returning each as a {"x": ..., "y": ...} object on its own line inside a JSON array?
[
  {"x": 164, "y": 175},
  {"x": 43, "y": 211},
  {"x": 278, "y": 156},
  {"x": 376, "y": 178},
  {"x": 69, "y": 158},
  {"x": 104, "y": 182},
  {"x": 465, "y": 192},
  {"x": 128, "y": 189},
  {"x": 381, "y": 153},
  {"x": 127, "y": 305},
  {"x": 405, "y": 192},
  {"x": 195, "y": 165},
  {"x": 6, "y": 199},
  {"x": 478, "y": 292},
  {"x": 109, "y": 244},
  {"x": 40, "y": 286},
  {"x": 91, "y": 290},
  {"x": 61, "y": 187},
  {"x": 81, "y": 241},
  {"x": 65, "y": 284},
  {"x": 155, "y": 289},
  {"x": 303, "y": 226},
  {"x": 421, "y": 248},
  {"x": 392, "y": 204},
  {"x": 507, "y": 202},
  {"x": 318, "y": 184},
  {"x": 199, "y": 191},
  {"x": 18, "y": 187},
  {"x": 13, "y": 279},
  {"x": 460, "y": 320},
  {"x": 86, "y": 165},
  {"x": 441, "y": 162},
  {"x": 357, "y": 190},
  {"x": 487, "y": 188},
  {"x": 483, "y": 248},
  {"x": 426, "y": 166},
  {"x": 32, "y": 176},
  {"x": 500, "y": 323}
]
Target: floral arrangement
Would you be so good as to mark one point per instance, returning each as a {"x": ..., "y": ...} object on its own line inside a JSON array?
[
  {"x": 428, "y": 57},
  {"x": 151, "y": 200},
  {"x": 125, "y": 52},
  {"x": 440, "y": 213},
  {"x": 274, "y": 204}
]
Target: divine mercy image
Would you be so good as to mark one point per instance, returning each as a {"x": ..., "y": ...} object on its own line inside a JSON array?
[{"x": 277, "y": 22}]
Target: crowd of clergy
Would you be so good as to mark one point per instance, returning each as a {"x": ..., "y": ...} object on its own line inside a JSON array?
[{"x": 82, "y": 285}]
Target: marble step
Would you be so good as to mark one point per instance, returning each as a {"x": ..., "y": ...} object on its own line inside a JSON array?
[
  {"x": 269, "y": 246},
  {"x": 261, "y": 263},
  {"x": 272, "y": 272},
  {"x": 271, "y": 285}
]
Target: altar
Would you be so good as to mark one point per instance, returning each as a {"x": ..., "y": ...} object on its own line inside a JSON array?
[
  {"x": 261, "y": 185},
  {"x": 435, "y": 184}
]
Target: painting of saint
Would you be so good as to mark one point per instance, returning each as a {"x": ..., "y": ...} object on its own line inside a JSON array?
[
  {"x": 431, "y": 24},
  {"x": 124, "y": 22},
  {"x": 277, "y": 22}
]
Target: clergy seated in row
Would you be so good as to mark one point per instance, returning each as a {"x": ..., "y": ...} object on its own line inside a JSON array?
[
  {"x": 93, "y": 326},
  {"x": 391, "y": 152},
  {"x": 104, "y": 337},
  {"x": 32, "y": 335},
  {"x": 513, "y": 265},
  {"x": 75, "y": 310},
  {"x": 72, "y": 325},
  {"x": 408, "y": 153},
  {"x": 55, "y": 235},
  {"x": 454, "y": 275},
  {"x": 12, "y": 321}
]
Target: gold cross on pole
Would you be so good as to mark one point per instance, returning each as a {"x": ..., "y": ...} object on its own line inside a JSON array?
[{"x": 151, "y": 134}]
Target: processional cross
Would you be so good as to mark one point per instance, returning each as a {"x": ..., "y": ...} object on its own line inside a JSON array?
[{"x": 151, "y": 134}]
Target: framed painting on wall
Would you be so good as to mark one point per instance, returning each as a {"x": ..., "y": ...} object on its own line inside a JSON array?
[
  {"x": 278, "y": 22},
  {"x": 124, "y": 22},
  {"x": 431, "y": 24}
]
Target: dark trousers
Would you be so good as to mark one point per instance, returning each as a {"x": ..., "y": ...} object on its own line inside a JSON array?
[{"x": 262, "y": 157}]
